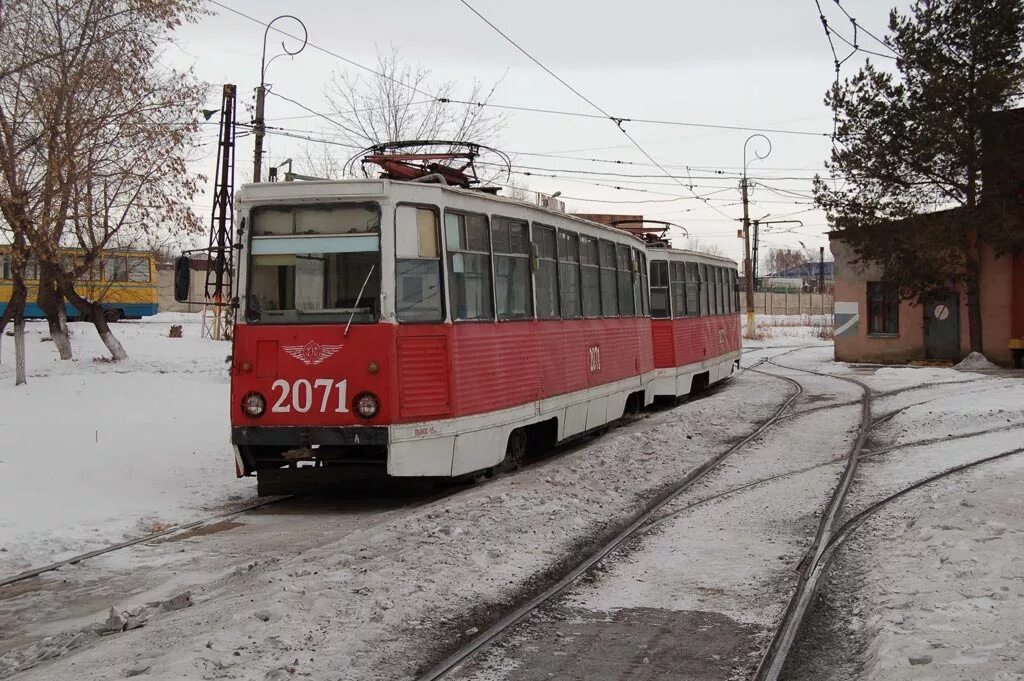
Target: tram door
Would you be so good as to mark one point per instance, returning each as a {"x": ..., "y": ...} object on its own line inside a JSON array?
[{"x": 942, "y": 327}]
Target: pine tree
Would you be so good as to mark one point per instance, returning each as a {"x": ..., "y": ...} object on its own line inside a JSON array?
[{"x": 908, "y": 147}]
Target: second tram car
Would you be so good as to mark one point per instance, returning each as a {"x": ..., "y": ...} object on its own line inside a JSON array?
[{"x": 422, "y": 329}]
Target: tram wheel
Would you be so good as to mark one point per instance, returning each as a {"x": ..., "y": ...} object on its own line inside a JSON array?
[{"x": 515, "y": 451}]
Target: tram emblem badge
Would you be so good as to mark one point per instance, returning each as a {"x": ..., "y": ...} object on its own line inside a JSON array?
[{"x": 312, "y": 353}]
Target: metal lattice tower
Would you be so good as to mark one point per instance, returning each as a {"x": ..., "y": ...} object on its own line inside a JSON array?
[{"x": 220, "y": 264}]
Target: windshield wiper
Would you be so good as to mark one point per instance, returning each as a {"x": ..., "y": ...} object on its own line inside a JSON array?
[{"x": 358, "y": 298}]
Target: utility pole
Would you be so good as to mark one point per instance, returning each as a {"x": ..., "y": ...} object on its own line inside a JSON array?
[
  {"x": 821, "y": 269},
  {"x": 754, "y": 256},
  {"x": 747, "y": 270},
  {"x": 259, "y": 127},
  {"x": 258, "y": 130}
]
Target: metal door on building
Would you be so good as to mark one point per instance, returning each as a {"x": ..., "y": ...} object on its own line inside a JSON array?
[{"x": 942, "y": 327}]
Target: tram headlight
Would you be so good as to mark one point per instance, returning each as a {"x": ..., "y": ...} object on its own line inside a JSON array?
[
  {"x": 367, "y": 405},
  {"x": 254, "y": 405}
]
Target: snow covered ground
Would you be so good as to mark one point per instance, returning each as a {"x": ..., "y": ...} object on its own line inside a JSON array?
[{"x": 95, "y": 452}]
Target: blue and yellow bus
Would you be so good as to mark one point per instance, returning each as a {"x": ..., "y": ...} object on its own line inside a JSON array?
[{"x": 124, "y": 283}]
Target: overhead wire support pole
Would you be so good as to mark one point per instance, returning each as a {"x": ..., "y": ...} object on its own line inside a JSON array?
[
  {"x": 259, "y": 122},
  {"x": 748, "y": 270}
]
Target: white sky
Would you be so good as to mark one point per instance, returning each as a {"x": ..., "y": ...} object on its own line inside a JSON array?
[{"x": 731, "y": 62}]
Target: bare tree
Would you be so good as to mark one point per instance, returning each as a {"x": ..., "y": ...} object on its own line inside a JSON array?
[
  {"x": 781, "y": 259},
  {"x": 94, "y": 136},
  {"x": 400, "y": 103},
  {"x": 694, "y": 243}
]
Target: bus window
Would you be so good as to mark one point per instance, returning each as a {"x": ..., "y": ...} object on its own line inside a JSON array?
[
  {"x": 609, "y": 297},
  {"x": 138, "y": 268},
  {"x": 591, "y": 276},
  {"x": 625, "y": 279},
  {"x": 660, "y": 307},
  {"x": 5, "y": 266},
  {"x": 417, "y": 265},
  {"x": 510, "y": 241},
  {"x": 115, "y": 268},
  {"x": 704, "y": 307},
  {"x": 692, "y": 290},
  {"x": 569, "y": 274},
  {"x": 546, "y": 247},
  {"x": 469, "y": 266}
]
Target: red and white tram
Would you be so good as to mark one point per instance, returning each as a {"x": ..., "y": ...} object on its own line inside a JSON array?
[{"x": 422, "y": 329}]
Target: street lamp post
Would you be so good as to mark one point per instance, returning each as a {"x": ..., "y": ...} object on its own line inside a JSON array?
[
  {"x": 747, "y": 267},
  {"x": 258, "y": 124}
]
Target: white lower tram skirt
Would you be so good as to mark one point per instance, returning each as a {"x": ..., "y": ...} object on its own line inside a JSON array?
[{"x": 471, "y": 443}]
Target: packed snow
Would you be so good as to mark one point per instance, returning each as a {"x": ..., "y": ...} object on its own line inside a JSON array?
[{"x": 97, "y": 452}]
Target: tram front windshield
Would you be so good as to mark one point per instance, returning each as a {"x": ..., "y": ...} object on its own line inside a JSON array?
[{"x": 314, "y": 264}]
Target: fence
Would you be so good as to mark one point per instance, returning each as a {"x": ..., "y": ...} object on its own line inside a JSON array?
[{"x": 789, "y": 303}]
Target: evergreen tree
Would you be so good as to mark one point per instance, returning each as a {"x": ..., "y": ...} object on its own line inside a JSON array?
[{"x": 908, "y": 147}]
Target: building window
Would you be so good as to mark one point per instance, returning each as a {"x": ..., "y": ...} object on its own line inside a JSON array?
[
  {"x": 609, "y": 298},
  {"x": 417, "y": 265},
  {"x": 883, "y": 308},
  {"x": 546, "y": 277},
  {"x": 569, "y": 274},
  {"x": 469, "y": 266},
  {"x": 660, "y": 308},
  {"x": 590, "y": 265},
  {"x": 510, "y": 239}
]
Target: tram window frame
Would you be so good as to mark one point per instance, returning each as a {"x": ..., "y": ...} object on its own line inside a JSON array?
[
  {"x": 403, "y": 258},
  {"x": 590, "y": 276},
  {"x": 727, "y": 296},
  {"x": 645, "y": 291},
  {"x": 545, "y": 271},
  {"x": 609, "y": 279},
  {"x": 638, "y": 302},
  {"x": 735, "y": 291},
  {"x": 624, "y": 279},
  {"x": 692, "y": 272},
  {"x": 702, "y": 270},
  {"x": 501, "y": 238},
  {"x": 722, "y": 307},
  {"x": 677, "y": 279},
  {"x": 287, "y": 222},
  {"x": 661, "y": 283},
  {"x": 568, "y": 274},
  {"x": 713, "y": 291},
  {"x": 482, "y": 258}
]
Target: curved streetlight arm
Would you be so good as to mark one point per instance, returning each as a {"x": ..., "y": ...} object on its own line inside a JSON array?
[{"x": 263, "y": 59}]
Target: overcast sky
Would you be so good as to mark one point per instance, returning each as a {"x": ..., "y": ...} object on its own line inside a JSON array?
[{"x": 731, "y": 62}]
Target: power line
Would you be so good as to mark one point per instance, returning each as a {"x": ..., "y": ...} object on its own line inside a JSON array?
[
  {"x": 861, "y": 28},
  {"x": 617, "y": 121}
]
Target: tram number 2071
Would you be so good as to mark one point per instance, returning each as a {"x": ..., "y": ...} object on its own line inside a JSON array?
[{"x": 303, "y": 395}]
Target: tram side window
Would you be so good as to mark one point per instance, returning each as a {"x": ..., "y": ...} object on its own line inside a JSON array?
[
  {"x": 590, "y": 266},
  {"x": 678, "y": 272},
  {"x": 625, "y": 277},
  {"x": 713, "y": 290},
  {"x": 735, "y": 291},
  {"x": 692, "y": 290},
  {"x": 660, "y": 307},
  {"x": 704, "y": 299},
  {"x": 723, "y": 293},
  {"x": 510, "y": 240},
  {"x": 609, "y": 296},
  {"x": 644, "y": 284},
  {"x": 469, "y": 266},
  {"x": 417, "y": 266},
  {"x": 638, "y": 305},
  {"x": 546, "y": 279},
  {"x": 569, "y": 274}
]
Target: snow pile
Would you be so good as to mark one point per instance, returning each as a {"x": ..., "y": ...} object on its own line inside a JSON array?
[
  {"x": 94, "y": 452},
  {"x": 975, "y": 360}
]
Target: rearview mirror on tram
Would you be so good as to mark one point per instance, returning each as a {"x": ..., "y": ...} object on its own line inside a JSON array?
[{"x": 182, "y": 278}]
